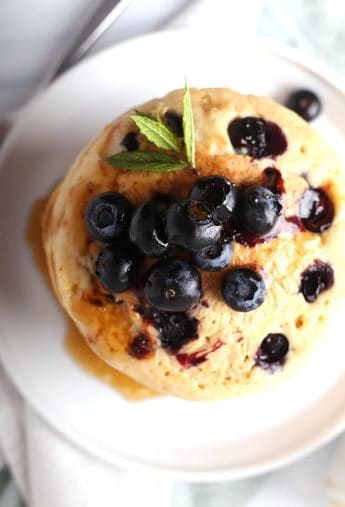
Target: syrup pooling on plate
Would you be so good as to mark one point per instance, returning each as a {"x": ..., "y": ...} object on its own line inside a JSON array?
[
  {"x": 85, "y": 358},
  {"x": 74, "y": 342}
]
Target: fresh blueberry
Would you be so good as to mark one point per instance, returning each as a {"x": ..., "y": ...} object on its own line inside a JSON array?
[
  {"x": 259, "y": 210},
  {"x": 147, "y": 229},
  {"x": 256, "y": 137},
  {"x": 107, "y": 216},
  {"x": 243, "y": 289},
  {"x": 249, "y": 136},
  {"x": 316, "y": 210},
  {"x": 173, "y": 285},
  {"x": 190, "y": 225},
  {"x": 214, "y": 257},
  {"x": 174, "y": 121},
  {"x": 316, "y": 279},
  {"x": 141, "y": 346},
  {"x": 218, "y": 194},
  {"x": 273, "y": 349},
  {"x": 273, "y": 180},
  {"x": 115, "y": 268},
  {"x": 305, "y": 103},
  {"x": 130, "y": 141},
  {"x": 175, "y": 329}
]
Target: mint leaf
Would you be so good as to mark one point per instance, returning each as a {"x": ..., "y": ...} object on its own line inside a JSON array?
[
  {"x": 156, "y": 132},
  {"x": 144, "y": 115},
  {"x": 188, "y": 127},
  {"x": 146, "y": 161}
]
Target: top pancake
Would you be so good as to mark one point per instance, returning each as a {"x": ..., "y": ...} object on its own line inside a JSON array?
[{"x": 108, "y": 326}]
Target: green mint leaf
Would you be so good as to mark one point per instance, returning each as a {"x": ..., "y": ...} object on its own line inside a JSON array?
[
  {"x": 156, "y": 132},
  {"x": 188, "y": 127},
  {"x": 146, "y": 161},
  {"x": 144, "y": 115}
]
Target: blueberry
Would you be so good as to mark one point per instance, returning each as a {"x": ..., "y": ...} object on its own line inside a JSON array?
[
  {"x": 316, "y": 279},
  {"x": 316, "y": 210},
  {"x": 305, "y": 103},
  {"x": 273, "y": 180},
  {"x": 130, "y": 141},
  {"x": 259, "y": 210},
  {"x": 190, "y": 225},
  {"x": 273, "y": 349},
  {"x": 249, "y": 136},
  {"x": 243, "y": 289},
  {"x": 115, "y": 268},
  {"x": 175, "y": 329},
  {"x": 218, "y": 194},
  {"x": 174, "y": 121},
  {"x": 147, "y": 229},
  {"x": 214, "y": 257},
  {"x": 173, "y": 285},
  {"x": 256, "y": 137},
  {"x": 107, "y": 216},
  {"x": 141, "y": 346}
]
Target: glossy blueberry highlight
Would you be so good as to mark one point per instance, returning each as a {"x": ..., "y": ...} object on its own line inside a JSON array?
[
  {"x": 107, "y": 216},
  {"x": 215, "y": 257},
  {"x": 147, "y": 229},
  {"x": 190, "y": 225},
  {"x": 249, "y": 136},
  {"x": 218, "y": 194},
  {"x": 173, "y": 285},
  {"x": 243, "y": 289},
  {"x": 116, "y": 268},
  {"x": 305, "y": 103},
  {"x": 257, "y": 137},
  {"x": 259, "y": 210},
  {"x": 273, "y": 350}
]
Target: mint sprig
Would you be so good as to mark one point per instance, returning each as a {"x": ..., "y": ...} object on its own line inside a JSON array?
[
  {"x": 188, "y": 127},
  {"x": 156, "y": 132},
  {"x": 146, "y": 161},
  {"x": 162, "y": 137}
]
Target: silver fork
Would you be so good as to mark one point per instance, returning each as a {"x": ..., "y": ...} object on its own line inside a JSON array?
[{"x": 107, "y": 12}]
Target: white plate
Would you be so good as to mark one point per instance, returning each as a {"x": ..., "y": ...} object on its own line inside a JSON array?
[{"x": 193, "y": 441}]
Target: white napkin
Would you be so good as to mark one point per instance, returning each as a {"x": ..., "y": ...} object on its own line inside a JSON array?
[
  {"x": 52, "y": 472},
  {"x": 49, "y": 470}
]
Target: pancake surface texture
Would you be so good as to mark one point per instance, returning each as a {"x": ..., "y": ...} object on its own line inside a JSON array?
[{"x": 226, "y": 340}]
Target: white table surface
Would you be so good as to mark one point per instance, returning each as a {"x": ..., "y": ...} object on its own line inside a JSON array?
[{"x": 31, "y": 32}]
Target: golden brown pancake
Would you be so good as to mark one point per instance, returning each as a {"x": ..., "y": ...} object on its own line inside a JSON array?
[{"x": 227, "y": 341}]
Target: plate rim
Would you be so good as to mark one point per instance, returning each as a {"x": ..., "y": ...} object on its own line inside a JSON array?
[{"x": 86, "y": 443}]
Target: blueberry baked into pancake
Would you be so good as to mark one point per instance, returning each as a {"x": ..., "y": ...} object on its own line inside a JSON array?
[{"x": 198, "y": 241}]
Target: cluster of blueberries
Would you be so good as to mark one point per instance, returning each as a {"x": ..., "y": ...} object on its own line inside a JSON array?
[
  {"x": 197, "y": 226},
  {"x": 198, "y": 232}
]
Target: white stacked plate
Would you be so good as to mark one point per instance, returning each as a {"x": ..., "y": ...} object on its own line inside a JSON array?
[{"x": 198, "y": 441}]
